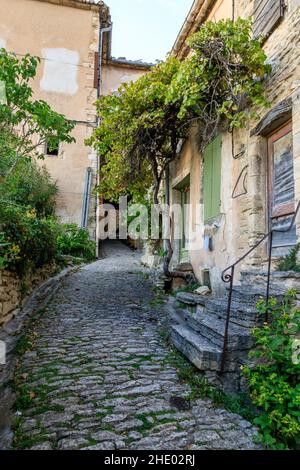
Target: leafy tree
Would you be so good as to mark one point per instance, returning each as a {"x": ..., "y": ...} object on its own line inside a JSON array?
[
  {"x": 222, "y": 77},
  {"x": 29, "y": 185},
  {"x": 26, "y": 123},
  {"x": 143, "y": 127},
  {"x": 28, "y": 237},
  {"x": 139, "y": 133}
]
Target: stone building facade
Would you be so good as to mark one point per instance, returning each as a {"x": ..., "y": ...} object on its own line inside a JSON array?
[
  {"x": 69, "y": 36},
  {"x": 254, "y": 180}
]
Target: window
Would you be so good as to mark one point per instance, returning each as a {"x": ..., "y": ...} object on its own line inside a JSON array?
[
  {"x": 267, "y": 14},
  {"x": 50, "y": 151},
  {"x": 281, "y": 187},
  {"x": 212, "y": 179}
]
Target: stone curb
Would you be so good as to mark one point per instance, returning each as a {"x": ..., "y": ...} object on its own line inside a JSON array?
[{"x": 9, "y": 333}]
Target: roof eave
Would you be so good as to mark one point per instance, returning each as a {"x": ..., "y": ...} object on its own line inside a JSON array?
[
  {"x": 81, "y": 4},
  {"x": 137, "y": 65},
  {"x": 195, "y": 18}
]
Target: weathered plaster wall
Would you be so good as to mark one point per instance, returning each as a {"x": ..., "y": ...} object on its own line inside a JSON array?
[
  {"x": 65, "y": 39},
  {"x": 221, "y": 10},
  {"x": 243, "y": 220},
  {"x": 113, "y": 75}
]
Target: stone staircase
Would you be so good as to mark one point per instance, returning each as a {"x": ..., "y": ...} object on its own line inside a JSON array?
[{"x": 198, "y": 326}]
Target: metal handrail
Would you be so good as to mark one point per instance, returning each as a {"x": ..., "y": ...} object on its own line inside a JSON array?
[{"x": 228, "y": 277}]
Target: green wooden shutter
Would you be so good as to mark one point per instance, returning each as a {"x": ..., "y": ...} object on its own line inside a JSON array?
[
  {"x": 212, "y": 179},
  {"x": 216, "y": 177},
  {"x": 207, "y": 180}
]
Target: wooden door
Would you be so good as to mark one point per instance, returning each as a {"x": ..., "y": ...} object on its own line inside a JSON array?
[{"x": 281, "y": 188}]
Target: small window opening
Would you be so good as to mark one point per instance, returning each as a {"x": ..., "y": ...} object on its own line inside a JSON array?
[
  {"x": 52, "y": 151},
  {"x": 206, "y": 278}
]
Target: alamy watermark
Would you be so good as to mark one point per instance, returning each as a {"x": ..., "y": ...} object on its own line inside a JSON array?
[
  {"x": 150, "y": 222},
  {"x": 2, "y": 353},
  {"x": 296, "y": 351},
  {"x": 3, "y": 98}
]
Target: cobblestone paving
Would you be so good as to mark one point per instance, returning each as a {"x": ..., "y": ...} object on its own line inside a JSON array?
[{"x": 98, "y": 376}]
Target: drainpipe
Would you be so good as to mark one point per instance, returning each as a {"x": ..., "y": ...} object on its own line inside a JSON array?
[
  {"x": 86, "y": 197},
  {"x": 102, "y": 31}
]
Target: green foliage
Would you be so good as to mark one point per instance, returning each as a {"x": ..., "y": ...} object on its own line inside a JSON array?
[
  {"x": 137, "y": 132},
  {"x": 26, "y": 123},
  {"x": 142, "y": 127},
  {"x": 274, "y": 378},
  {"x": 28, "y": 237},
  {"x": 29, "y": 242},
  {"x": 224, "y": 70},
  {"x": 29, "y": 185},
  {"x": 289, "y": 262},
  {"x": 75, "y": 241}
]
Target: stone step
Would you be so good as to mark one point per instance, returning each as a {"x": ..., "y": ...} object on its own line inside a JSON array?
[
  {"x": 184, "y": 267},
  {"x": 213, "y": 329},
  {"x": 201, "y": 352},
  {"x": 252, "y": 294},
  {"x": 245, "y": 322},
  {"x": 242, "y": 310},
  {"x": 192, "y": 319},
  {"x": 280, "y": 281},
  {"x": 242, "y": 313},
  {"x": 190, "y": 299},
  {"x": 239, "y": 311}
]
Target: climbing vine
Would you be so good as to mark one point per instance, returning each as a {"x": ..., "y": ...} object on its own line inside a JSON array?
[{"x": 143, "y": 126}]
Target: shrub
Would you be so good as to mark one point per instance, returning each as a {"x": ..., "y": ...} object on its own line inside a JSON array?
[
  {"x": 75, "y": 241},
  {"x": 289, "y": 262},
  {"x": 274, "y": 379},
  {"x": 27, "y": 242},
  {"x": 28, "y": 237},
  {"x": 28, "y": 185}
]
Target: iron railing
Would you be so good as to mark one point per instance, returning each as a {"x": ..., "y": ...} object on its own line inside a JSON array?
[{"x": 228, "y": 277}]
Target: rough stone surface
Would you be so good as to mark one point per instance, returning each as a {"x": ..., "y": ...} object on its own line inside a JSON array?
[
  {"x": 202, "y": 290},
  {"x": 99, "y": 376},
  {"x": 11, "y": 297}
]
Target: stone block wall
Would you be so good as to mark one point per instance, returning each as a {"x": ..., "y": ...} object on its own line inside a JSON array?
[
  {"x": 245, "y": 194},
  {"x": 14, "y": 290}
]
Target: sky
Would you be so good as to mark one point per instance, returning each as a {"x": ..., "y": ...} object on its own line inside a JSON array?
[{"x": 146, "y": 29}]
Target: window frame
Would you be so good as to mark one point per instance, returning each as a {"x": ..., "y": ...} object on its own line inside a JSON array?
[{"x": 53, "y": 155}]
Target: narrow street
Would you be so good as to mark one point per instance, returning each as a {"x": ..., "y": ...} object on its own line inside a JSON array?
[{"x": 99, "y": 376}]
